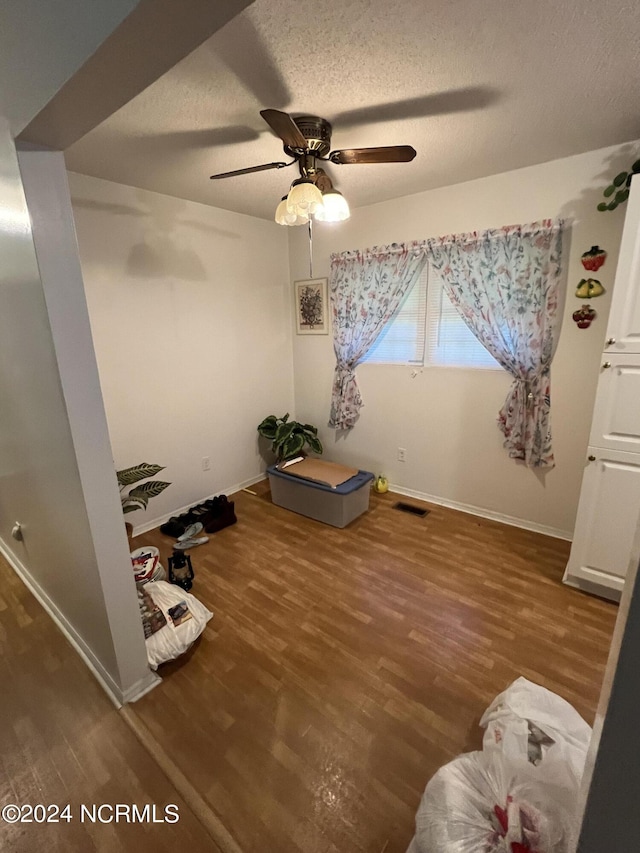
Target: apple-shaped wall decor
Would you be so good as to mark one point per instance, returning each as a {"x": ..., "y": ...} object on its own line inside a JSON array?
[{"x": 584, "y": 316}]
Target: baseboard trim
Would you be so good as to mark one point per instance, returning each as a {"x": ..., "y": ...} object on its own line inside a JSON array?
[
  {"x": 156, "y": 522},
  {"x": 104, "y": 678},
  {"x": 591, "y": 588},
  {"x": 555, "y": 532},
  {"x": 141, "y": 687},
  {"x": 216, "y": 829}
]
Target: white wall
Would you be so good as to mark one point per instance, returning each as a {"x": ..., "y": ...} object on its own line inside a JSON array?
[
  {"x": 40, "y": 483},
  {"x": 75, "y": 552},
  {"x": 446, "y": 417},
  {"x": 43, "y": 43},
  {"x": 190, "y": 315}
]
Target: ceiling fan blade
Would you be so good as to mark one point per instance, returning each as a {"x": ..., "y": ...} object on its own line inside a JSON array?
[
  {"x": 262, "y": 168},
  {"x": 285, "y": 127},
  {"x": 384, "y": 154}
]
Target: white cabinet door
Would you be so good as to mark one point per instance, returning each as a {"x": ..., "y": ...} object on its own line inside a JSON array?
[
  {"x": 608, "y": 515},
  {"x": 623, "y": 329},
  {"x": 616, "y": 414}
]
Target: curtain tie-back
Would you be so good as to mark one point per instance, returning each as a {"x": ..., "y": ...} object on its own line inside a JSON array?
[
  {"x": 529, "y": 383},
  {"x": 344, "y": 372}
]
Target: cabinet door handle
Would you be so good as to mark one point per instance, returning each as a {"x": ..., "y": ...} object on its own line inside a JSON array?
[
  {"x": 610, "y": 342},
  {"x": 592, "y": 458},
  {"x": 606, "y": 364}
]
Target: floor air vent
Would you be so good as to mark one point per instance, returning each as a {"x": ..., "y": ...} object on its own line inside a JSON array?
[{"x": 411, "y": 509}]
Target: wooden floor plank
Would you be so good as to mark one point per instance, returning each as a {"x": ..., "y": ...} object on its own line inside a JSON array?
[
  {"x": 343, "y": 667},
  {"x": 62, "y": 741}
]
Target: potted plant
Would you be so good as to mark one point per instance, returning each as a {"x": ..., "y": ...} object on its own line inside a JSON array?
[
  {"x": 138, "y": 497},
  {"x": 289, "y": 438}
]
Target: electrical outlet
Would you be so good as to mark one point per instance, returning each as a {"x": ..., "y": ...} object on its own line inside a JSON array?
[
  {"x": 402, "y": 454},
  {"x": 206, "y": 463}
]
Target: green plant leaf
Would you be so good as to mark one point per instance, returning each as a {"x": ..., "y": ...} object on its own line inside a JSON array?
[
  {"x": 636, "y": 167},
  {"x": 609, "y": 191},
  {"x": 285, "y": 418},
  {"x": 612, "y": 205},
  {"x": 131, "y": 507},
  {"x": 283, "y": 432},
  {"x": 268, "y": 427},
  {"x": 129, "y": 476},
  {"x": 148, "y": 490},
  {"x": 603, "y": 205},
  {"x": 619, "y": 180},
  {"x": 310, "y": 428},
  {"x": 621, "y": 195},
  {"x": 293, "y": 445},
  {"x": 314, "y": 443},
  {"x": 142, "y": 500}
]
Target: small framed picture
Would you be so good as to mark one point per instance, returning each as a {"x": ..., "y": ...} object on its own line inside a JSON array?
[{"x": 312, "y": 314}]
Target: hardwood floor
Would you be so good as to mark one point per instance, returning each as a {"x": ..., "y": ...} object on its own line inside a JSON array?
[
  {"x": 62, "y": 741},
  {"x": 343, "y": 667}
]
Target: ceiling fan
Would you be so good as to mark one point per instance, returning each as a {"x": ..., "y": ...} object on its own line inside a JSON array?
[{"x": 307, "y": 139}]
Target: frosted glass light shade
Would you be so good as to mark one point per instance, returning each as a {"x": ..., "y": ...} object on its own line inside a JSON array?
[
  {"x": 286, "y": 217},
  {"x": 334, "y": 208},
  {"x": 304, "y": 198}
]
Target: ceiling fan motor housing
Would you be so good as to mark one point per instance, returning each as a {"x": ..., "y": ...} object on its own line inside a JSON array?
[{"x": 317, "y": 132}]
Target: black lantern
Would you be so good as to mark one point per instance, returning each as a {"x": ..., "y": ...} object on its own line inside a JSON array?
[{"x": 181, "y": 570}]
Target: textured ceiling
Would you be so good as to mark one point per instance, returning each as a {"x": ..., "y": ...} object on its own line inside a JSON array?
[{"x": 476, "y": 87}]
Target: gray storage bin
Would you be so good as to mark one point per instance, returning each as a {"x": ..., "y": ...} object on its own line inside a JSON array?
[{"x": 337, "y": 506}]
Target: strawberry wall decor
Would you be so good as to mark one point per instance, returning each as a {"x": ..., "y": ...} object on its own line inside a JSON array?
[
  {"x": 584, "y": 316},
  {"x": 589, "y": 288},
  {"x": 593, "y": 259}
]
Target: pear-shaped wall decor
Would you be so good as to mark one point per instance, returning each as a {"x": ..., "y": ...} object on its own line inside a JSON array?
[{"x": 589, "y": 288}]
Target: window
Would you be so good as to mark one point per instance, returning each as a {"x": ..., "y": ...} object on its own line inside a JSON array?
[
  {"x": 427, "y": 329},
  {"x": 450, "y": 342},
  {"x": 402, "y": 341}
]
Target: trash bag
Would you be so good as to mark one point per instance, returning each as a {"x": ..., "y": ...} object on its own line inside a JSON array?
[
  {"x": 520, "y": 794},
  {"x": 482, "y": 802},
  {"x": 531, "y": 723}
]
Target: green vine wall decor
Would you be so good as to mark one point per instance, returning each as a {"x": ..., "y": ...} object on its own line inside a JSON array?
[{"x": 618, "y": 190}]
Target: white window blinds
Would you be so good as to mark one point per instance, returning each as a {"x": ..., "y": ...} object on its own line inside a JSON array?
[
  {"x": 450, "y": 342},
  {"x": 402, "y": 341}
]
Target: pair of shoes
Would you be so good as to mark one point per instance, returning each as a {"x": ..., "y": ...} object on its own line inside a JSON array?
[
  {"x": 216, "y": 508},
  {"x": 224, "y": 516},
  {"x": 174, "y": 527},
  {"x": 183, "y": 544},
  {"x": 198, "y": 512},
  {"x": 200, "y": 509},
  {"x": 191, "y": 532},
  {"x": 178, "y": 524}
]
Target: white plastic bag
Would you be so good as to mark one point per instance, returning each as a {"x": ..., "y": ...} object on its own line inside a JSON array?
[
  {"x": 483, "y": 803},
  {"x": 530, "y": 723},
  {"x": 178, "y": 619},
  {"x": 520, "y": 794}
]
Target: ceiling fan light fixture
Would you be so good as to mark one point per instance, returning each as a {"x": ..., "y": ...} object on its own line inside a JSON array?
[
  {"x": 286, "y": 217},
  {"x": 334, "y": 207},
  {"x": 304, "y": 197}
]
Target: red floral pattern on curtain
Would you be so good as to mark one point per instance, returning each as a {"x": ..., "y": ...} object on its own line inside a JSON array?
[
  {"x": 505, "y": 284},
  {"x": 366, "y": 289}
]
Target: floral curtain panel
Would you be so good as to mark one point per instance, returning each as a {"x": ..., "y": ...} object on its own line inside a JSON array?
[
  {"x": 505, "y": 284},
  {"x": 366, "y": 290}
]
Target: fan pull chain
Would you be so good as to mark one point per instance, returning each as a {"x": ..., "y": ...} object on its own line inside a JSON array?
[{"x": 310, "y": 249}]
